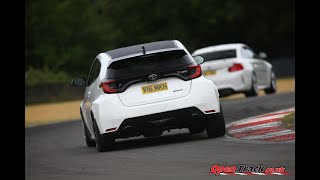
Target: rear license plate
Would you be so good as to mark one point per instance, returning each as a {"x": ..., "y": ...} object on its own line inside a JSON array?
[
  {"x": 209, "y": 72},
  {"x": 154, "y": 88}
]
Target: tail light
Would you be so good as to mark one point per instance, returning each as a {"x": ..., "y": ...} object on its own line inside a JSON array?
[
  {"x": 235, "y": 67},
  {"x": 195, "y": 71},
  {"x": 109, "y": 86}
]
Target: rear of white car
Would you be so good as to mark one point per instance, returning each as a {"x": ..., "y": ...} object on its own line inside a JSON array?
[
  {"x": 234, "y": 70},
  {"x": 147, "y": 89}
]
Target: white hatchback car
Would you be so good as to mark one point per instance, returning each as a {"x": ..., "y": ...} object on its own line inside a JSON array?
[
  {"x": 235, "y": 68},
  {"x": 147, "y": 89}
]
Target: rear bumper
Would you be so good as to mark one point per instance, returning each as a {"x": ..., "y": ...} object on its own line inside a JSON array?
[
  {"x": 232, "y": 82},
  {"x": 159, "y": 122},
  {"x": 109, "y": 112}
]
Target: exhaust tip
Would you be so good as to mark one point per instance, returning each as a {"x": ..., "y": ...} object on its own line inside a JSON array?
[
  {"x": 128, "y": 131},
  {"x": 195, "y": 115}
]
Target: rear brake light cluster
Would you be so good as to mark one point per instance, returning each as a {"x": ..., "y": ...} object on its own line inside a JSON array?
[
  {"x": 109, "y": 86},
  {"x": 114, "y": 86},
  {"x": 195, "y": 71},
  {"x": 235, "y": 67}
]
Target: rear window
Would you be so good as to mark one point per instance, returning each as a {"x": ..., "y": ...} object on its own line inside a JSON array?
[
  {"x": 216, "y": 55},
  {"x": 148, "y": 64}
]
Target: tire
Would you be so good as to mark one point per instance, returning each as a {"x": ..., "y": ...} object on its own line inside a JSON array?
[
  {"x": 103, "y": 142},
  {"x": 273, "y": 85},
  {"x": 90, "y": 142},
  {"x": 215, "y": 125},
  {"x": 254, "y": 87}
]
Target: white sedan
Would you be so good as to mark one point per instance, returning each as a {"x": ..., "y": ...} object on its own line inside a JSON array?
[{"x": 235, "y": 68}]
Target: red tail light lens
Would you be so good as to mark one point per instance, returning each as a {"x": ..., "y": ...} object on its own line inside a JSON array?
[
  {"x": 111, "y": 129},
  {"x": 109, "y": 86},
  {"x": 210, "y": 111},
  {"x": 235, "y": 67},
  {"x": 195, "y": 71}
]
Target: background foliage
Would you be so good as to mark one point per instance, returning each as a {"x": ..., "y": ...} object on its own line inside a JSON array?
[{"x": 64, "y": 36}]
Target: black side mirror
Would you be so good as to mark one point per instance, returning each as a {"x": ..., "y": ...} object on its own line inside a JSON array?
[
  {"x": 199, "y": 59},
  {"x": 78, "y": 81}
]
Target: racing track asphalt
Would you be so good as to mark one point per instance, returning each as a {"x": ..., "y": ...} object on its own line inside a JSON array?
[{"x": 58, "y": 151}]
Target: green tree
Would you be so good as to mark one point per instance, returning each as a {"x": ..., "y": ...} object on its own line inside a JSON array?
[{"x": 66, "y": 35}]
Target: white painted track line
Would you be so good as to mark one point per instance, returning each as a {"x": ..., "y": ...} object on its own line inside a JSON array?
[
  {"x": 272, "y": 134},
  {"x": 250, "y": 128}
]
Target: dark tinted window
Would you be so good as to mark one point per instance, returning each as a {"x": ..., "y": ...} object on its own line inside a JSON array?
[
  {"x": 137, "y": 48},
  {"x": 216, "y": 55},
  {"x": 94, "y": 72},
  {"x": 148, "y": 64}
]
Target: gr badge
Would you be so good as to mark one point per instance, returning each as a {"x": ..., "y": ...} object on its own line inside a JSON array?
[{"x": 153, "y": 77}]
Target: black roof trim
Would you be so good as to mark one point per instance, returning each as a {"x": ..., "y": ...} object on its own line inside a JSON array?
[{"x": 125, "y": 51}]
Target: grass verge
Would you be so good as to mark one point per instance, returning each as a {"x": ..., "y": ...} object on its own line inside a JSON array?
[
  {"x": 289, "y": 121},
  {"x": 41, "y": 114}
]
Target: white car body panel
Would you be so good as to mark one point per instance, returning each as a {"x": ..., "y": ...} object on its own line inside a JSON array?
[
  {"x": 112, "y": 115},
  {"x": 177, "y": 88}
]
